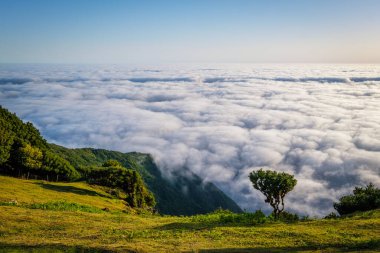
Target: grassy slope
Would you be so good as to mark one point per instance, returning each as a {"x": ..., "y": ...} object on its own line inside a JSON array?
[
  {"x": 116, "y": 230},
  {"x": 37, "y": 191}
]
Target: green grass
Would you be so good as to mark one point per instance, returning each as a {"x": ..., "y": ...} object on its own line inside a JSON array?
[
  {"x": 60, "y": 205},
  {"x": 64, "y": 206},
  {"x": 37, "y": 191},
  {"x": 61, "y": 219}
]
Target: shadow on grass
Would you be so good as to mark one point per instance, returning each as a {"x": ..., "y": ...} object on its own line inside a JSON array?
[
  {"x": 54, "y": 248},
  {"x": 187, "y": 226},
  {"x": 70, "y": 189},
  {"x": 368, "y": 246},
  {"x": 205, "y": 225},
  {"x": 280, "y": 250}
]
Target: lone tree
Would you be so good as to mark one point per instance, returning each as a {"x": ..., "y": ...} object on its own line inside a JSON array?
[{"x": 274, "y": 186}]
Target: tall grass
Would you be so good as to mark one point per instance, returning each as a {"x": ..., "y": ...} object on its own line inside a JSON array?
[
  {"x": 60, "y": 205},
  {"x": 227, "y": 217}
]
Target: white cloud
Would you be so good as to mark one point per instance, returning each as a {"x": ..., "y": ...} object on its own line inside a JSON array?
[{"x": 320, "y": 122}]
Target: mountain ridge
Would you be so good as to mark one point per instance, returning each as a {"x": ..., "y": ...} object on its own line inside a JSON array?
[{"x": 180, "y": 195}]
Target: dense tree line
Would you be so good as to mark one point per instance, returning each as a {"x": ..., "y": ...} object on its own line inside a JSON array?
[{"x": 24, "y": 153}]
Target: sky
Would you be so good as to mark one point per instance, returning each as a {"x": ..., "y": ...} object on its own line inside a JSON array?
[{"x": 141, "y": 32}]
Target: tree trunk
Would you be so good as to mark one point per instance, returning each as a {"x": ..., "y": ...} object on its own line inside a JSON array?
[{"x": 27, "y": 177}]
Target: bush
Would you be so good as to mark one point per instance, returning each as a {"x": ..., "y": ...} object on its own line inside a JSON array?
[
  {"x": 137, "y": 195},
  {"x": 221, "y": 216},
  {"x": 111, "y": 163},
  {"x": 288, "y": 217},
  {"x": 331, "y": 215},
  {"x": 363, "y": 199}
]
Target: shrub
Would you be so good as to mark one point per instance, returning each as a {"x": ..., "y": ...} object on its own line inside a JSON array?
[
  {"x": 111, "y": 163},
  {"x": 137, "y": 194},
  {"x": 363, "y": 199},
  {"x": 289, "y": 217},
  {"x": 221, "y": 216},
  {"x": 331, "y": 215}
]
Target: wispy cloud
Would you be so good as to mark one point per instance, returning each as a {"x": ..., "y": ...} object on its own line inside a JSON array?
[{"x": 321, "y": 123}]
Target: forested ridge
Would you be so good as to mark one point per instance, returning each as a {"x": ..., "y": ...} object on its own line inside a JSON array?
[{"x": 199, "y": 197}]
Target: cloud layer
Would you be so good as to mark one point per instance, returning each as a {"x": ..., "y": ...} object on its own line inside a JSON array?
[{"x": 319, "y": 122}]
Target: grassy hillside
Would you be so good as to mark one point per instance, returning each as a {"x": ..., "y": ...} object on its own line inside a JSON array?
[
  {"x": 171, "y": 197},
  {"x": 38, "y": 191},
  {"x": 36, "y": 223}
]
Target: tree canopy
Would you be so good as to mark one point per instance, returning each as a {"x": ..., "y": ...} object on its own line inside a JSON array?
[
  {"x": 24, "y": 152},
  {"x": 112, "y": 174},
  {"x": 363, "y": 199},
  {"x": 274, "y": 186}
]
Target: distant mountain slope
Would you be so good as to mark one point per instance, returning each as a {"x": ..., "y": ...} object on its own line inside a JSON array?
[{"x": 183, "y": 196}]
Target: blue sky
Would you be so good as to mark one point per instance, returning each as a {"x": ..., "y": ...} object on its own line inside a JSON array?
[{"x": 84, "y": 31}]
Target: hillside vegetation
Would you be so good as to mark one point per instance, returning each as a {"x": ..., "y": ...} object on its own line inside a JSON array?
[
  {"x": 24, "y": 153},
  {"x": 77, "y": 217},
  {"x": 198, "y": 196}
]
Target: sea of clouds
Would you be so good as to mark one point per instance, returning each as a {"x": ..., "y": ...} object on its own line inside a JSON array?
[{"x": 318, "y": 122}]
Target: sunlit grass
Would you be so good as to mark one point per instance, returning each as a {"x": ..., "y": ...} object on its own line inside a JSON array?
[
  {"x": 37, "y": 191},
  {"x": 118, "y": 231}
]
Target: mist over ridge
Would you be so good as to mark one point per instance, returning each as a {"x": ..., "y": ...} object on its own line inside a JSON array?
[{"x": 319, "y": 122}]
